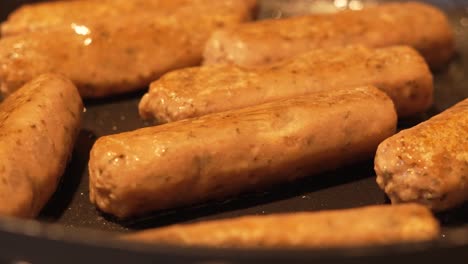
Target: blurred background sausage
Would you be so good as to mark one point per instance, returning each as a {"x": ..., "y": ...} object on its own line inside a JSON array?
[
  {"x": 112, "y": 56},
  {"x": 49, "y": 15},
  {"x": 415, "y": 24}
]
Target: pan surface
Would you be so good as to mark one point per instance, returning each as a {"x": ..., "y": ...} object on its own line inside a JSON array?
[{"x": 71, "y": 229}]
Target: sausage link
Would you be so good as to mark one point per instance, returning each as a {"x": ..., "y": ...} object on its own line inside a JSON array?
[
  {"x": 399, "y": 71},
  {"x": 224, "y": 154},
  {"x": 38, "y": 127},
  {"x": 415, "y": 24},
  {"x": 366, "y": 226},
  {"x": 108, "y": 57},
  {"x": 49, "y": 15},
  {"x": 428, "y": 163}
]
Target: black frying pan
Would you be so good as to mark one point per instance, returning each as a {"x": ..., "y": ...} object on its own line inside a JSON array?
[{"x": 71, "y": 230}]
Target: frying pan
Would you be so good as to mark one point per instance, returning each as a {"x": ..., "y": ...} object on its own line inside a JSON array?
[{"x": 71, "y": 230}]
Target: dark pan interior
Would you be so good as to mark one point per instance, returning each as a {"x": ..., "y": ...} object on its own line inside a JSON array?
[{"x": 349, "y": 187}]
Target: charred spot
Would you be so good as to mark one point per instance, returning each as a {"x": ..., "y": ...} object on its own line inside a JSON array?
[
  {"x": 374, "y": 64},
  {"x": 104, "y": 34},
  {"x": 386, "y": 176},
  {"x": 412, "y": 83},
  {"x": 33, "y": 126},
  {"x": 130, "y": 51},
  {"x": 286, "y": 38},
  {"x": 72, "y": 113},
  {"x": 219, "y": 24},
  {"x": 443, "y": 197},
  {"x": 413, "y": 96}
]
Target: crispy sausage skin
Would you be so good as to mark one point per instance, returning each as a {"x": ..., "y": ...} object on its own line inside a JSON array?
[
  {"x": 223, "y": 154},
  {"x": 428, "y": 163},
  {"x": 44, "y": 16},
  {"x": 399, "y": 71},
  {"x": 38, "y": 127},
  {"x": 113, "y": 56},
  {"x": 366, "y": 226},
  {"x": 415, "y": 24}
]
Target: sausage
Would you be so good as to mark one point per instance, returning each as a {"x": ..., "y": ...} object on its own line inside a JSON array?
[
  {"x": 112, "y": 57},
  {"x": 428, "y": 163},
  {"x": 223, "y": 154},
  {"x": 415, "y": 24},
  {"x": 399, "y": 71},
  {"x": 366, "y": 226},
  {"x": 44, "y": 16},
  {"x": 38, "y": 127}
]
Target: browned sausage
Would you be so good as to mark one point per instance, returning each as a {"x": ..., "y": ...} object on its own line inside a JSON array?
[
  {"x": 366, "y": 226},
  {"x": 224, "y": 154},
  {"x": 113, "y": 56},
  {"x": 428, "y": 163},
  {"x": 399, "y": 71},
  {"x": 415, "y": 24},
  {"x": 38, "y": 127},
  {"x": 44, "y": 16}
]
